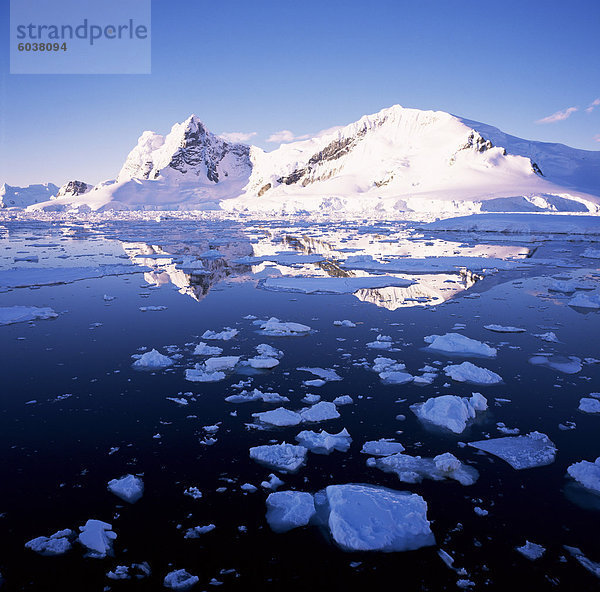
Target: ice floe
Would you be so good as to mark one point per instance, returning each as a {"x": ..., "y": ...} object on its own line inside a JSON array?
[
  {"x": 225, "y": 335},
  {"x": 413, "y": 469},
  {"x": 566, "y": 365},
  {"x": 592, "y": 566},
  {"x": 289, "y": 509},
  {"x": 521, "y": 452},
  {"x": 203, "y": 349},
  {"x": 344, "y": 323},
  {"x": 129, "y": 488},
  {"x": 56, "y": 544},
  {"x": 369, "y": 518},
  {"x": 256, "y": 395},
  {"x": 153, "y": 359},
  {"x": 532, "y": 551},
  {"x": 275, "y": 328},
  {"x": 382, "y": 447},
  {"x": 197, "y": 531},
  {"x": 97, "y": 537},
  {"x": 343, "y": 400},
  {"x": 279, "y": 417},
  {"x": 455, "y": 343},
  {"x": 261, "y": 363},
  {"x": 180, "y": 579},
  {"x": 450, "y": 411},
  {"x": 467, "y": 372},
  {"x": 324, "y": 442},
  {"x": 326, "y": 374},
  {"x": 321, "y": 411},
  {"x": 286, "y": 458},
  {"x": 581, "y": 300},
  {"x": 21, "y": 314},
  {"x": 589, "y": 405},
  {"x": 586, "y": 473},
  {"x": 503, "y": 329}
]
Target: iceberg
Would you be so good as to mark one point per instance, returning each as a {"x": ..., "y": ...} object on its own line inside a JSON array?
[
  {"x": 289, "y": 509},
  {"x": 520, "y": 452},
  {"x": 152, "y": 360},
  {"x": 450, "y": 411},
  {"x": 455, "y": 343}
]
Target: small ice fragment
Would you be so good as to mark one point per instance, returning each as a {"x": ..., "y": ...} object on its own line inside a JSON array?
[
  {"x": 152, "y": 359},
  {"x": 248, "y": 488},
  {"x": 273, "y": 483},
  {"x": 129, "y": 488},
  {"x": 592, "y": 566},
  {"x": 197, "y": 531},
  {"x": 344, "y": 323},
  {"x": 193, "y": 492},
  {"x": 152, "y": 308},
  {"x": 326, "y": 374},
  {"x": 521, "y": 452},
  {"x": 289, "y": 509},
  {"x": 532, "y": 551},
  {"x": 343, "y": 400}
]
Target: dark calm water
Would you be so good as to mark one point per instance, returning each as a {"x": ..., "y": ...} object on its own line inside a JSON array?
[{"x": 55, "y": 453}]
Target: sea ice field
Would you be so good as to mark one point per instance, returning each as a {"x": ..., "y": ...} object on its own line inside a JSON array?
[{"x": 194, "y": 402}]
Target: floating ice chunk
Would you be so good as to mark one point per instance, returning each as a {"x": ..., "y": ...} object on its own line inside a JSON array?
[
  {"x": 317, "y": 382},
  {"x": 326, "y": 374},
  {"x": 152, "y": 308},
  {"x": 203, "y": 349},
  {"x": 589, "y": 405},
  {"x": 108, "y": 298},
  {"x": 455, "y": 343},
  {"x": 381, "y": 364},
  {"x": 343, "y": 400},
  {"x": 530, "y": 550},
  {"x": 248, "y": 488},
  {"x": 450, "y": 411},
  {"x": 587, "y": 474},
  {"x": 222, "y": 363},
  {"x": 382, "y": 447},
  {"x": 570, "y": 365},
  {"x": 413, "y": 469},
  {"x": 521, "y": 452},
  {"x": 321, "y": 411},
  {"x": 256, "y": 395},
  {"x": 591, "y": 253},
  {"x": 381, "y": 342},
  {"x": 276, "y": 328},
  {"x": 55, "y": 544},
  {"x": 581, "y": 300},
  {"x": 368, "y": 518},
  {"x": 225, "y": 335},
  {"x": 467, "y": 372},
  {"x": 502, "y": 329},
  {"x": 549, "y": 337},
  {"x": 263, "y": 363},
  {"x": 197, "y": 531},
  {"x": 391, "y": 377},
  {"x": 129, "y": 488},
  {"x": 344, "y": 323},
  {"x": 324, "y": 443},
  {"x": 311, "y": 399},
  {"x": 178, "y": 400},
  {"x": 97, "y": 537},
  {"x": 20, "y": 314},
  {"x": 193, "y": 492},
  {"x": 153, "y": 359},
  {"x": 286, "y": 458},
  {"x": 501, "y": 427},
  {"x": 273, "y": 483},
  {"x": 199, "y": 374},
  {"x": 180, "y": 580},
  {"x": 289, "y": 509},
  {"x": 279, "y": 417},
  {"x": 267, "y": 351},
  {"x": 590, "y": 565},
  {"x": 127, "y": 572}
]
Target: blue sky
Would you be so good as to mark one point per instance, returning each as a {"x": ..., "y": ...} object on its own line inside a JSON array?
[{"x": 262, "y": 67}]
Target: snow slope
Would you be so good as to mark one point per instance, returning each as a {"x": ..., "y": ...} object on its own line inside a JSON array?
[{"x": 396, "y": 160}]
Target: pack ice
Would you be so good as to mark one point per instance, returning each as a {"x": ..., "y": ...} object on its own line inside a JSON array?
[
  {"x": 450, "y": 411},
  {"x": 21, "y": 314},
  {"x": 455, "y": 343},
  {"x": 521, "y": 452}
]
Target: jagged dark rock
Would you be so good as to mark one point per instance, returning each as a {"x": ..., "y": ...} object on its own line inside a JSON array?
[
  {"x": 264, "y": 189},
  {"x": 73, "y": 188}
]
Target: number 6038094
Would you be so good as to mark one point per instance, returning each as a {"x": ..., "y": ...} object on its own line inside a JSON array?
[{"x": 42, "y": 47}]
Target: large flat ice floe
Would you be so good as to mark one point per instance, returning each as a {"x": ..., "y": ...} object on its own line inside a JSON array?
[
  {"x": 413, "y": 469},
  {"x": 566, "y": 365},
  {"x": 455, "y": 343},
  {"x": 467, "y": 372},
  {"x": 504, "y": 329},
  {"x": 521, "y": 452},
  {"x": 21, "y": 314},
  {"x": 286, "y": 458},
  {"x": 331, "y": 285},
  {"x": 25, "y": 277},
  {"x": 289, "y": 509},
  {"x": 370, "y": 518},
  {"x": 587, "y": 473},
  {"x": 276, "y": 328},
  {"x": 450, "y": 411}
]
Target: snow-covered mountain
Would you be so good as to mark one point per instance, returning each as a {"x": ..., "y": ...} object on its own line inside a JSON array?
[
  {"x": 21, "y": 197},
  {"x": 396, "y": 160}
]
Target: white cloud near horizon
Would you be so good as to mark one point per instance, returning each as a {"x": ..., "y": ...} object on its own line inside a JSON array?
[
  {"x": 558, "y": 116},
  {"x": 284, "y": 136},
  {"x": 593, "y": 105},
  {"x": 237, "y": 136}
]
